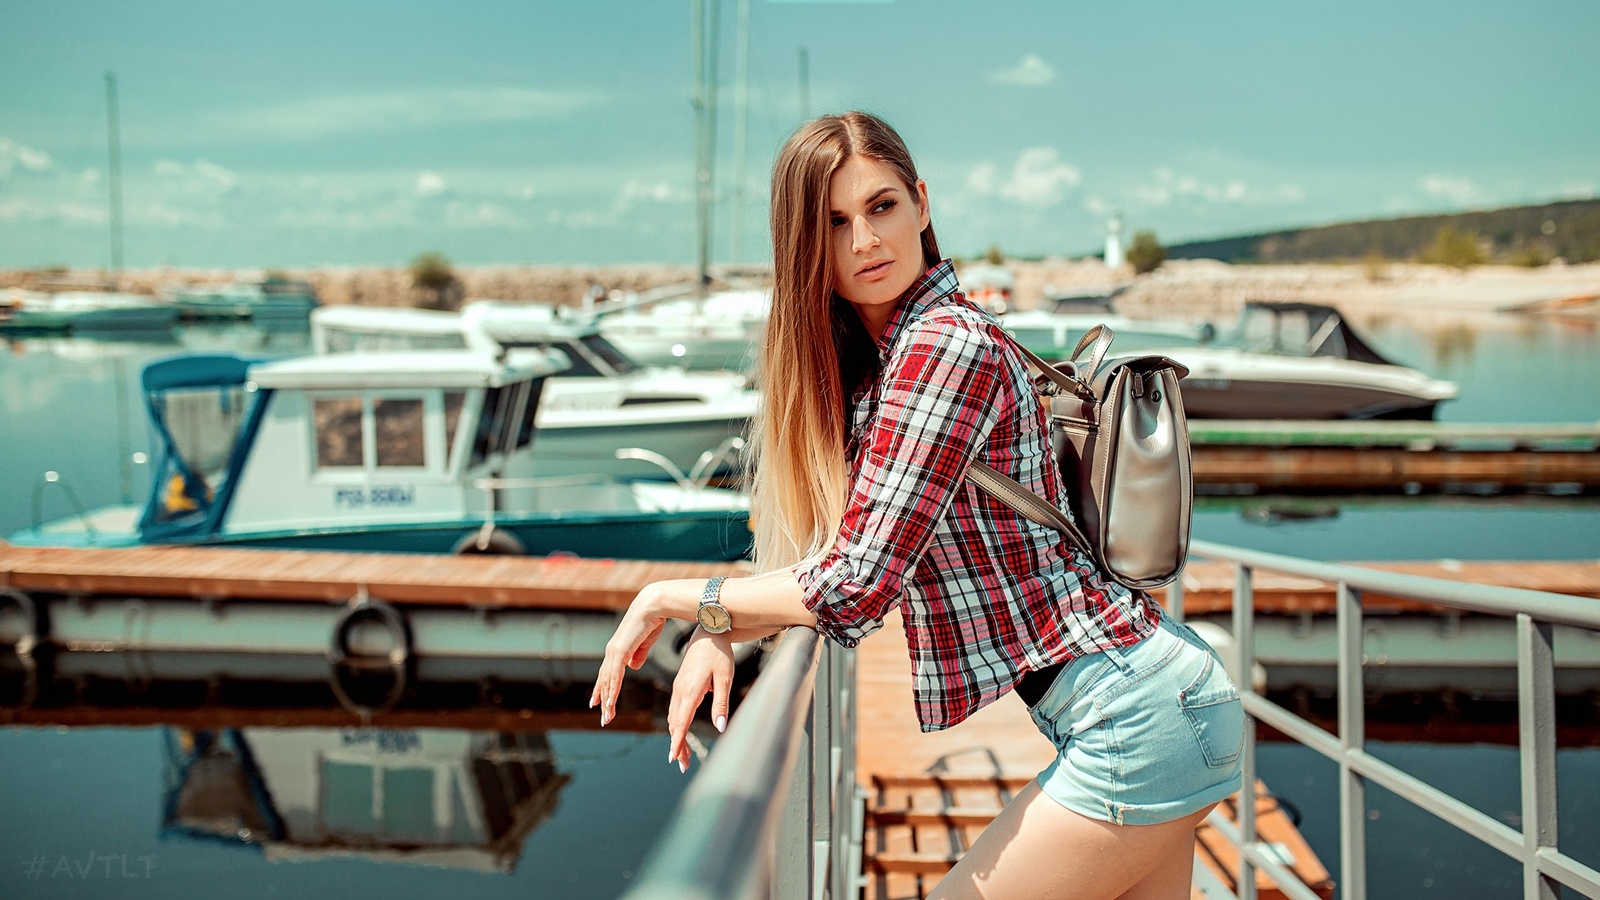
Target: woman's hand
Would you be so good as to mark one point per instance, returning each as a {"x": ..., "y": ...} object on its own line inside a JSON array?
[
  {"x": 629, "y": 646},
  {"x": 707, "y": 668}
]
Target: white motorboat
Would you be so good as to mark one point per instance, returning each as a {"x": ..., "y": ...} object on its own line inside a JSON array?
[
  {"x": 407, "y": 451},
  {"x": 1300, "y": 361},
  {"x": 719, "y": 331},
  {"x": 274, "y": 301},
  {"x": 604, "y": 402},
  {"x": 1055, "y": 334}
]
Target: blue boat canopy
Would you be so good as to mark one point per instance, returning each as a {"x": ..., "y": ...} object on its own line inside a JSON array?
[{"x": 196, "y": 370}]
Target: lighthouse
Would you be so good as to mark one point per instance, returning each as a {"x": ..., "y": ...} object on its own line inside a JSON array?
[{"x": 1114, "y": 255}]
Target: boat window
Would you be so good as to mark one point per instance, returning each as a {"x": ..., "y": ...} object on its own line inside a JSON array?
[
  {"x": 203, "y": 426},
  {"x": 453, "y": 401},
  {"x": 491, "y": 425},
  {"x": 398, "y": 432},
  {"x": 576, "y": 364},
  {"x": 530, "y": 408},
  {"x": 338, "y": 425},
  {"x": 608, "y": 352}
]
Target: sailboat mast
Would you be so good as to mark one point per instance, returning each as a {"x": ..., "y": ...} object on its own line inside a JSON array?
[
  {"x": 740, "y": 128},
  {"x": 705, "y": 104},
  {"x": 114, "y": 143}
]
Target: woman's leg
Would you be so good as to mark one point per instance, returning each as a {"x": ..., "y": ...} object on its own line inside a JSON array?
[{"x": 1038, "y": 848}]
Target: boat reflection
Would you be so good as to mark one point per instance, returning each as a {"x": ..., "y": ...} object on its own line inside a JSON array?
[{"x": 428, "y": 796}]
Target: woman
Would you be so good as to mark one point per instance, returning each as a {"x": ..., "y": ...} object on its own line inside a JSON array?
[{"x": 883, "y": 384}]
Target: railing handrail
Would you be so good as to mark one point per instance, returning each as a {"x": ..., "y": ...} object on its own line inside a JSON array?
[
  {"x": 1535, "y": 846},
  {"x": 718, "y": 842},
  {"x": 1561, "y": 609}
]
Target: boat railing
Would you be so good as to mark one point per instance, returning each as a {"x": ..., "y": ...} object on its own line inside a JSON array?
[
  {"x": 776, "y": 811},
  {"x": 1545, "y": 868},
  {"x": 53, "y": 477},
  {"x": 703, "y": 470}
]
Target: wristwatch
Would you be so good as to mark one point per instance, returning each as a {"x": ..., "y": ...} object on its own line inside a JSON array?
[{"x": 712, "y": 615}]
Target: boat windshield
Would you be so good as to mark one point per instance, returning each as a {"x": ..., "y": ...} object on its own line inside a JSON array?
[
  {"x": 199, "y": 428},
  {"x": 609, "y": 353}
]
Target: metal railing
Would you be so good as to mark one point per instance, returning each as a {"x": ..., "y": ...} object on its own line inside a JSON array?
[
  {"x": 1535, "y": 847},
  {"x": 776, "y": 811}
]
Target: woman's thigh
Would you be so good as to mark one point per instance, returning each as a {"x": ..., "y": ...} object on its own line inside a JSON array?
[{"x": 1038, "y": 848}]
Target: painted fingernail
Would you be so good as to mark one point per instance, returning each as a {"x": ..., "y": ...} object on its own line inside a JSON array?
[
  {"x": 591, "y": 702},
  {"x": 683, "y": 766},
  {"x": 722, "y": 723}
]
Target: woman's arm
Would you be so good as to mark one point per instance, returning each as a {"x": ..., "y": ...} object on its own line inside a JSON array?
[{"x": 758, "y": 605}]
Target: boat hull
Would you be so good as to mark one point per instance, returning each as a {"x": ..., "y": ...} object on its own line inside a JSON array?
[
  {"x": 706, "y": 536},
  {"x": 1221, "y": 398}
]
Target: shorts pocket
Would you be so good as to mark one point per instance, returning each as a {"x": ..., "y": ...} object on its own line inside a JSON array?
[{"x": 1212, "y": 706}]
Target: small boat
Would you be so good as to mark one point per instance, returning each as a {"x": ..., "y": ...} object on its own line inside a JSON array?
[
  {"x": 428, "y": 452},
  {"x": 273, "y": 300},
  {"x": 80, "y": 312},
  {"x": 1300, "y": 361},
  {"x": 604, "y": 401},
  {"x": 718, "y": 332}
]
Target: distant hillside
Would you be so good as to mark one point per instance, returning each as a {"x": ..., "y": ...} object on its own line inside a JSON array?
[{"x": 1527, "y": 235}]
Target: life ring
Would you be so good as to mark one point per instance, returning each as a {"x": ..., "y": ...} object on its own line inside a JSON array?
[{"x": 498, "y": 542}]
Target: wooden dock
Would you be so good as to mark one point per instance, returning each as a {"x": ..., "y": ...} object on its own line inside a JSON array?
[
  {"x": 211, "y": 573},
  {"x": 1318, "y": 456}
]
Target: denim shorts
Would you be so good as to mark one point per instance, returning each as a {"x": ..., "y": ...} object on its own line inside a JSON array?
[{"x": 1144, "y": 734}]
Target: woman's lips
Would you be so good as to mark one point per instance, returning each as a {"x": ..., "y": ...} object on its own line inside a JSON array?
[{"x": 875, "y": 271}]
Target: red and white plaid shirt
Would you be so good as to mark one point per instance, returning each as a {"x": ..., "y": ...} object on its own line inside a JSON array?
[{"x": 986, "y": 594}]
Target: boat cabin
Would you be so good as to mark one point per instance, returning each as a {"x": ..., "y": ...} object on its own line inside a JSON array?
[{"x": 332, "y": 441}]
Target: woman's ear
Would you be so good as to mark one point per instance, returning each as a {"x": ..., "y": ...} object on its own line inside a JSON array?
[{"x": 922, "y": 205}]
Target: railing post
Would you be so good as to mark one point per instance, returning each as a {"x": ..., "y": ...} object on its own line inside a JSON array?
[
  {"x": 822, "y": 772},
  {"x": 791, "y": 848},
  {"x": 1536, "y": 725},
  {"x": 1175, "y": 599},
  {"x": 1352, "y": 739},
  {"x": 1244, "y": 644}
]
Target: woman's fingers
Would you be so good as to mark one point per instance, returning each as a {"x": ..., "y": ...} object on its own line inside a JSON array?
[
  {"x": 721, "y": 686},
  {"x": 688, "y": 690},
  {"x": 642, "y": 652}
]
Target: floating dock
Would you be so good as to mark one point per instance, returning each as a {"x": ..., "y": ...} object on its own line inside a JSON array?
[{"x": 1322, "y": 457}]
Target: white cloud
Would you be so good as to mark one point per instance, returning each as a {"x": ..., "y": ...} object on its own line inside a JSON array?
[
  {"x": 479, "y": 215},
  {"x": 1170, "y": 186},
  {"x": 199, "y": 177},
  {"x": 338, "y": 114},
  {"x": 1576, "y": 190},
  {"x": 14, "y": 156},
  {"x": 1038, "y": 178},
  {"x": 1030, "y": 72},
  {"x": 430, "y": 184},
  {"x": 1460, "y": 191},
  {"x": 636, "y": 192}
]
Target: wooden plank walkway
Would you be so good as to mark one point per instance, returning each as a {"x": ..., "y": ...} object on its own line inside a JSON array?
[
  {"x": 301, "y": 575},
  {"x": 601, "y": 584},
  {"x": 1208, "y": 586}
]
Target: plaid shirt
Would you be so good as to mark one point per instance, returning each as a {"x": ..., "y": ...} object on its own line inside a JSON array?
[{"x": 986, "y": 594}]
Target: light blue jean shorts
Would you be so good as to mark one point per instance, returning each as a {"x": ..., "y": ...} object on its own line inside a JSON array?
[{"x": 1144, "y": 734}]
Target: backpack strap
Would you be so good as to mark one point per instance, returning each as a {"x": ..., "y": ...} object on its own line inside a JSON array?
[{"x": 1027, "y": 504}]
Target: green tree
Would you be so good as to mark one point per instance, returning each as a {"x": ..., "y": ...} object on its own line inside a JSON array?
[
  {"x": 993, "y": 256},
  {"x": 1146, "y": 254},
  {"x": 1453, "y": 247},
  {"x": 435, "y": 282}
]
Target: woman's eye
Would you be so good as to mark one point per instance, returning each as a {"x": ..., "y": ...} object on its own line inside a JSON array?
[
  {"x": 884, "y": 206},
  {"x": 837, "y": 221}
]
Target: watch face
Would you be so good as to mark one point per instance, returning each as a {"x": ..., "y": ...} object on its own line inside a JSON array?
[{"x": 714, "y": 618}]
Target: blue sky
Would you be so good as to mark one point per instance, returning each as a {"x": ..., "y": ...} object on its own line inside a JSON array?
[{"x": 296, "y": 133}]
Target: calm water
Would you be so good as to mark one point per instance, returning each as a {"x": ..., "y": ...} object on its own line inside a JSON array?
[{"x": 73, "y": 406}]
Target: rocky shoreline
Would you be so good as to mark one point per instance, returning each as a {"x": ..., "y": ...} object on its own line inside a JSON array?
[{"x": 1195, "y": 290}]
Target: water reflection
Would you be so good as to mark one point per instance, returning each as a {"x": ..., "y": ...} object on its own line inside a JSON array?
[{"x": 458, "y": 799}]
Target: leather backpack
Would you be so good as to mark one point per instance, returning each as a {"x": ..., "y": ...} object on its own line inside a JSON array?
[{"x": 1121, "y": 443}]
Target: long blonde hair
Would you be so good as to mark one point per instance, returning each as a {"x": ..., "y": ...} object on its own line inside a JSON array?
[{"x": 815, "y": 347}]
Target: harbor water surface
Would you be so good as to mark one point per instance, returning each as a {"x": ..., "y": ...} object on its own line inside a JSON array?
[{"x": 85, "y": 807}]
